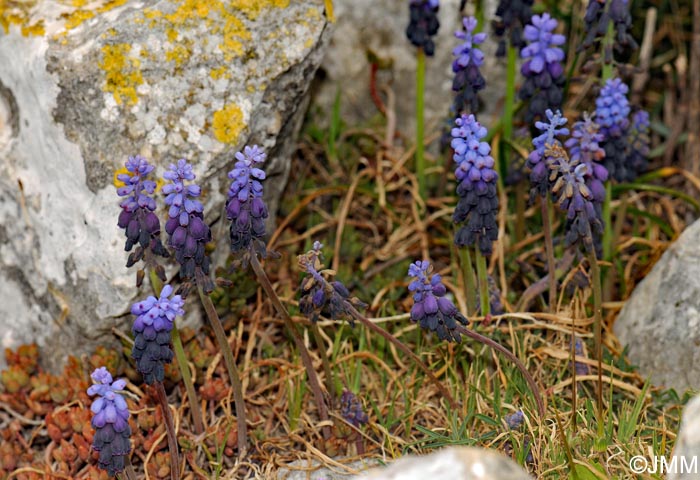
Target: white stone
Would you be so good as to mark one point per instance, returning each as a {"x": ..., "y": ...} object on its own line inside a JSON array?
[
  {"x": 78, "y": 110},
  {"x": 659, "y": 322}
]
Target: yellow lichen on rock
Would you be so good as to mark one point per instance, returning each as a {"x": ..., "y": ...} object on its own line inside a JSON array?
[
  {"x": 74, "y": 19},
  {"x": 220, "y": 72},
  {"x": 36, "y": 29},
  {"x": 19, "y": 13},
  {"x": 228, "y": 124},
  {"x": 122, "y": 73},
  {"x": 252, "y": 8},
  {"x": 179, "y": 54}
]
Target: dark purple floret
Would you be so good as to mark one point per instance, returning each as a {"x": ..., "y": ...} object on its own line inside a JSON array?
[
  {"x": 187, "y": 230},
  {"x": 432, "y": 310},
  {"x": 468, "y": 79},
  {"x": 599, "y": 14},
  {"x": 141, "y": 225},
  {"x": 536, "y": 161},
  {"x": 351, "y": 409},
  {"x": 321, "y": 296},
  {"x": 476, "y": 186},
  {"x": 573, "y": 197},
  {"x": 584, "y": 147},
  {"x": 515, "y": 419},
  {"x": 638, "y": 145},
  {"x": 542, "y": 68},
  {"x": 151, "y": 329},
  {"x": 514, "y": 15},
  {"x": 245, "y": 207},
  {"x": 579, "y": 367},
  {"x": 110, "y": 421},
  {"x": 423, "y": 24}
]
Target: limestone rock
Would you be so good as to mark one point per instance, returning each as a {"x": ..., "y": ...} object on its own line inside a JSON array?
[
  {"x": 660, "y": 323},
  {"x": 455, "y": 463},
  {"x": 84, "y": 84},
  {"x": 379, "y": 26},
  {"x": 687, "y": 444}
]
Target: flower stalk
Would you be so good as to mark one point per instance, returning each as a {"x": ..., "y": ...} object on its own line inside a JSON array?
[
  {"x": 298, "y": 341},
  {"x": 229, "y": 361}
]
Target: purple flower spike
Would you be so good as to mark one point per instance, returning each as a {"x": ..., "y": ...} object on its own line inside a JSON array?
[
  {"x": 140, "y": 223},
  {"x": 245, "y": 206},
  {"x": 351, "y": 409},
  {"x": 187, "y": 230},
  {"x": 612, "y": 114},
  {"x": 638, "y": 145},
  {"x": 468, "y": 79},
  {"x": 476, "y": 187},
  {"x": 539, "y": 174},
  {"x": 574, "y": 197},
  {"x": 431, "y": 308},
  {"x": 423, "y": 24},
  {"x": 612, "y": 108},
  {"x": 584, "y": 147},
  {"x": 542, "y": 69},
  {"x": 320, "y": 296},
  {"x": 597, "y": 20},
  {"x": 151, "y": 329},
  {"x": 111, "y": 422},
  {"x": 513, "y": 15}
]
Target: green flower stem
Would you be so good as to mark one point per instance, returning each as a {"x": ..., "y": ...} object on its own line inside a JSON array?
[
  {"x": 510, "y": 356},
  {"x": 303, "y": 351},
  {"x": 607, "y": 223},
  {"x": 546, "y": 204},
  {"x": 482, "y": 275},
  {"x": 182, "y": 364},
  {"x": 420, "y": 125},
  {"x": 407, "y": 351},
  {"x": 469, "y": 283},
  {"x": 327, "y": 370},
  {"x": 170, "y": 430},
  {"x": 227, "y": 354},
  {"x": 597, "y": 326},
  {"x": 508, "y": 107}
]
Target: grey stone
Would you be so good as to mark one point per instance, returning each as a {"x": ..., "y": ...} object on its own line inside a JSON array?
[
  {"x": 660, "y": 323},
  {"x": 455, "y": 463},
  {"x": 314, "y": 470},
  {"x": 687, "y": 449},
  {"x": 81, "y": 88},
  {"x": 379, "y": 26}
]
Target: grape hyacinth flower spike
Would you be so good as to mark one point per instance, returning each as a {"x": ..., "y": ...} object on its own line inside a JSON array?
[
  {"x": 423, "y": 24},
  {"x": 468, "y": 79},
  {"x": 514, "y": 14},
  {"x": 431, "y": 308},
  {"x": 321, "y": 297},
  {"x": 245, "y": 207},
  {"x": 612, "y": 114},
  {"x": 638, "y": 144},
  {"x": 151, "y": 329},
  {"x": 536, "y": 162},
  {"x": 141, "y": 225},
  {"x": 476, "y": 188},
  {"x": 573, "y": 197},
  {"x": 584, "y": 147},
  {"x": 110, "y": 421},
  {"x": 542, "y": 69},
  {"x": 186, "y": 227},
  {"x": 599, "y": 14}
]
